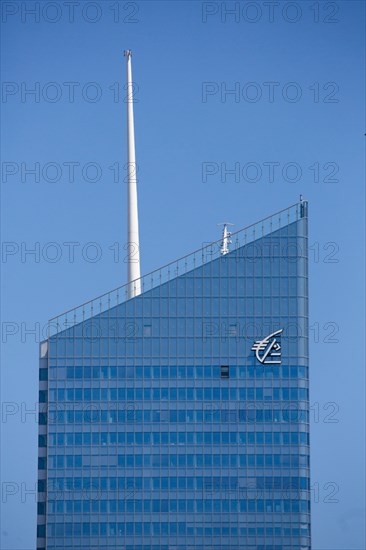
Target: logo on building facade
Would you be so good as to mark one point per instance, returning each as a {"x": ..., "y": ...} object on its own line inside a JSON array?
[{"x": 268, "y": 350}]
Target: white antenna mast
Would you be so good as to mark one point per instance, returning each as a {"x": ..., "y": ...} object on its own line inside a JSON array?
[
  {"x": 133, "y": 241},
  {"x": 224, "y": 248}
]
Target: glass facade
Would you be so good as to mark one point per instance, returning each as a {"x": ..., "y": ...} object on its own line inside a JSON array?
[{"x": 169, "y": 421}]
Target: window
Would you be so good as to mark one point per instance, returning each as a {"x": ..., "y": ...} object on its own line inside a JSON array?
[
  {"x": 43, "y": 396},
  {"x": 41, "y": 531},
  {"x": 147, "y": 330},
  {"x": 224, "y": 371},
  {"x": 43, "y": 374},
  {"x": 42, "y": 418},
  {"x": 42, "y": 441},
  {"x": 42, "y": 463}
]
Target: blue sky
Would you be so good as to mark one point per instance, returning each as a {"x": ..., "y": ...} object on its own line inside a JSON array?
[{"x": 294, "y": 125}]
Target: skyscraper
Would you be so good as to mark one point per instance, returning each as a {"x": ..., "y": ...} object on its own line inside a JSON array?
[
  {"x": 179, "y": 418},
  {"x": 174, "y": 411}
]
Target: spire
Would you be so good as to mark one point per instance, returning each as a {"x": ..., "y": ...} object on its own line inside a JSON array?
[
  {"x": 133, "y": 242},
  {"x": 224, "y": 248}
]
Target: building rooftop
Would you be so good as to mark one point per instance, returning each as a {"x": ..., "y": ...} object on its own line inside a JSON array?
[{"x": 177, "y": 268}]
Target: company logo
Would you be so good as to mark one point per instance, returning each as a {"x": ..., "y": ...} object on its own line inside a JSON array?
[{"x": 268, "y": 350}]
